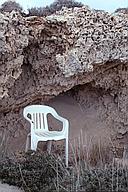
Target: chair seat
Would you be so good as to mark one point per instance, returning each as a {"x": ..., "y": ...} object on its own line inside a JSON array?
[{"x": 50, "y": 134}]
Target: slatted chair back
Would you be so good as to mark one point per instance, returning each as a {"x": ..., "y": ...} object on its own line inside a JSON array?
[{"x": 37, "y": 116}]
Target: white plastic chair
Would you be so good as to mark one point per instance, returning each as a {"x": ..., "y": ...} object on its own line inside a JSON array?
[{"x": 37, "y": 116}]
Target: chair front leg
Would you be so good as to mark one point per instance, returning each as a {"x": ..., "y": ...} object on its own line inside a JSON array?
[
  {"x": 34, "y": 143},
  {"x": 66, "y": 151}
]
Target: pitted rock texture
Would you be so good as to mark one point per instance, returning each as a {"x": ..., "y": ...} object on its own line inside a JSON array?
[{"x": 43, "y": 57}]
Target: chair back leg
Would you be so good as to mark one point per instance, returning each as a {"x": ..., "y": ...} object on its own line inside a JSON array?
[
  {"x": 49, "y": 147},
  {"x": 27, "y": 143}
]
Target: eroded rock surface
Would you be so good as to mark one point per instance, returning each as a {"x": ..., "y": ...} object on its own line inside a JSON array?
[{"x": 43, "y": 57}]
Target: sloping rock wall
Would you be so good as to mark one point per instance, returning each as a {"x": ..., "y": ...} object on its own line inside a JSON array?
[{"x": 43, "y": 57}]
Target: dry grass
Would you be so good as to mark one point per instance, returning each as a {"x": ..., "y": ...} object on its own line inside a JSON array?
[
  {"x": 4, "y": 138},
  {"x": 92, "y": 168}
]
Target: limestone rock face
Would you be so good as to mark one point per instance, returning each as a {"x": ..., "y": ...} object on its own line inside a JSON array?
[{"x": 43, "y": 57}]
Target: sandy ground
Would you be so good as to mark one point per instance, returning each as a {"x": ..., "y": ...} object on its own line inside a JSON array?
[{"x": 7, "y": 188}]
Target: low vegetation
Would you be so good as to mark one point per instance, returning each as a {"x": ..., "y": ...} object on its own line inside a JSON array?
[
  {"x": 55, "y": 6},
  {"x": 122, "y": 10},
  {"x": 9, "y": 6},
  {"x": 38, "y": 172}
]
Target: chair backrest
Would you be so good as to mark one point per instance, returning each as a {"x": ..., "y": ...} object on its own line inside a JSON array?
[{"x": 37, "y": 116}]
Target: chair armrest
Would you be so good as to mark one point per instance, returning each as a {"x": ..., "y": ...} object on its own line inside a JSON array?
[
  {"x": 29, "y": 120},
  {"x": 64, "y": 121},
  {"x": 26, "y": 117},
  {"x": 31, "y": 123}
]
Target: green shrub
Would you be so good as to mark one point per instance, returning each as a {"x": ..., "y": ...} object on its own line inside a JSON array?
[
  {"x": 31, "y": 171},
  {"x": 9, "y": 6},
  {"x": 123, "y": 10},
  {"x": 55, "y": 6}
]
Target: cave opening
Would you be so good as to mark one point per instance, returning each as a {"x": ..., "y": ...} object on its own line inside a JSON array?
[{"x": 92, "y": 112}]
